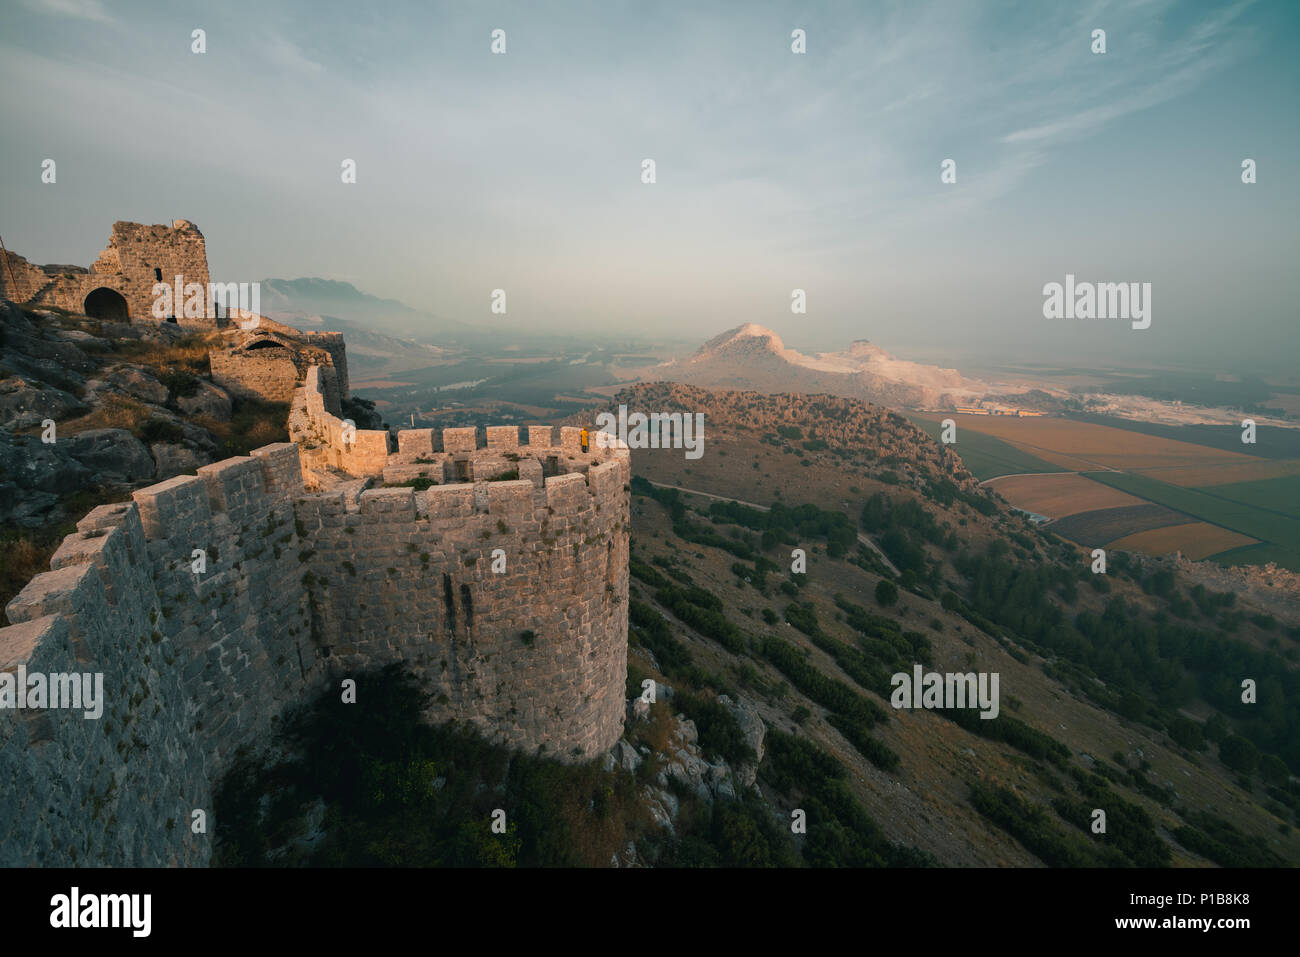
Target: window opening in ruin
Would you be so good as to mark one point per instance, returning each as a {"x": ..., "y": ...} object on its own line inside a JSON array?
[
  {"x": 157, "y": 274},
  {"x": 552, "y": 465},
  {"x": 462, "y": 470}
]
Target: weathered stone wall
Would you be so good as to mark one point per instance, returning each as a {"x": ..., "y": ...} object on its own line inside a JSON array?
[
  {"x": 21, "y": 280},
  {"x": 126, "y": 266},
  {"x": 269, "y": 360},
  {"x": 194, "y": 665},
  {"x": 322, "y": 437},
  {"x": 268, "y": 374},
  {"x": 299, "y": 590},
  {"x": 509, "y": 597},
  {"x": 334, "y": 346}
]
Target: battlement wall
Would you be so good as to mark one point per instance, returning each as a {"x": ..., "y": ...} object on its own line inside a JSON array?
[
  {"x": 197, "y": 659},
  {"x": 324, "y": 440},
  {"x": 213, "y": 602}
]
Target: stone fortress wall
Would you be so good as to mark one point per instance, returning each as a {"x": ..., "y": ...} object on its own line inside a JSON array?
[
  {"x": 507, "y": 598},
  {"x": 119, "y": 284},
  {"x": 193, "y": 664}
]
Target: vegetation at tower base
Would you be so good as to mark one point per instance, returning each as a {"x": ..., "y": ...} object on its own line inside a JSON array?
[{"x": 380, "y": 786}]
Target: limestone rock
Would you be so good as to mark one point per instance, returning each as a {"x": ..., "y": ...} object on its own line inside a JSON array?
[
  {"x": 113, "y": 455},
  {"x": 638, "y": 709},
  {"x": 624, "y": 756},
  {"x": 80, "y": 338},
  {"x": 755, "y": 731},
  {"x": 135, "y": 383},
  {"x": 28, "y": 463},
  {"x": 172, "y": 460},
  {"x": 658, "y": 813},
  {"x": 25, "y": 404},
  {"x": 208, "y": 400}
]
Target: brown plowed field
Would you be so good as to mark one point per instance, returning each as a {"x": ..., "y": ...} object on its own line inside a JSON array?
[
  {"x": 1222, "y": 473},
  {"x": 1084, "y": 446},
  {"x": 1104, "y": 525},
  {"x": 1057, "y": 496},
  {"x": 1196, "y": 540}
]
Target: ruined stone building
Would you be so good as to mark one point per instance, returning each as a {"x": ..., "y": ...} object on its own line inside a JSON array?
[
  {"x": 263, "y": 359},
  {"x": 119, "y": 285}
]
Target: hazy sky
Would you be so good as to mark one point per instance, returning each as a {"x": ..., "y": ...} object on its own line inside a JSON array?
[{"x": 775, "y": 170}]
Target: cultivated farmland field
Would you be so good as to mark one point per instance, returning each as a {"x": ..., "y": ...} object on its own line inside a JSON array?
[
  {"x": 1104, "y": 525},
  {"x": 1225, "y": 472},
  {"x": 1278, "y": 495},
  {"x": 1276, "y": 526},
  {"x": 1086, "y": 446},
  {"x": 1270, "y": 442},
  {"x": 1139, "y": 489},
  {"x": 1060, "y": 494},
  {"x": 986, "y": 456},
  {"x": 1196, "y": 540}
]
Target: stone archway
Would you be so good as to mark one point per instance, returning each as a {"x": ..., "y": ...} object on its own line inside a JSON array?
[{"x": 107, "y": 304}]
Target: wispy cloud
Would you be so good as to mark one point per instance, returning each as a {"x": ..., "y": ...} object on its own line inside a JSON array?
[
  {"x": 79, "y": 9},
  {"x": 283, "y": 52},
  {"x": 479, "y": 171},
  {"x": 1143, "y": 71}
]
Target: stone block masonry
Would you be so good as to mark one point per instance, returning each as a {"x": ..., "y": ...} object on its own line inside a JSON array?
[
  {"x": 270, "y": 361},
  {"x": 508, "y": 599},
  {"x": 194, "y": 665},
  {"x": 324, "y": 440}
]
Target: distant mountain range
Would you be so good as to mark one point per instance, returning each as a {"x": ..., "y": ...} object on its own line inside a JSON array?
[
  {"x": 326, "y": 301},
  {"x": 754, "y": 357},
  {"x": 382, "y": 334}
]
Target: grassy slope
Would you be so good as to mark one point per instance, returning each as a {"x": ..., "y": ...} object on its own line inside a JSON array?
[{"x": 926, "y": 801}]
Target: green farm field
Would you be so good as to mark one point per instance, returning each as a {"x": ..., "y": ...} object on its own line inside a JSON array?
[
  {"x": 1268, "y": 510},
  {"x": 985, "y": 455}
]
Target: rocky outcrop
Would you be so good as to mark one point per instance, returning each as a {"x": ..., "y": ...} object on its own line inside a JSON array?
[
  {"x": 683, "y": 767},
  {"x": 25, "y": 404}
]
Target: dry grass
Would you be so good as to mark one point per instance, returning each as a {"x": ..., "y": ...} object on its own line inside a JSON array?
[
  {"x": 21, "y": 560},
  {"x": 114, "y": 412},
  {"x": 26, "y": 553},
  {"x": 1059, "y": 495},
  {"x": 189, "y": 352},
  {"x": 253, "y": 425}
]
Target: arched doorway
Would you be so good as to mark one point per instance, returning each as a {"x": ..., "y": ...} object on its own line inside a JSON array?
[{"x": 108, "y": 304}]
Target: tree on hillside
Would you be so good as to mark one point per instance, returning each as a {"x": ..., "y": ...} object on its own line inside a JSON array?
[{"x": 1239, "y": 754}]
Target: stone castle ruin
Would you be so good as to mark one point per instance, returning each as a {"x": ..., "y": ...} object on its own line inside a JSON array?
[
  {"x": 492, "y": 564},
  {"x": 119, "y": 285},
  {"x": 262, "y": 359}
]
